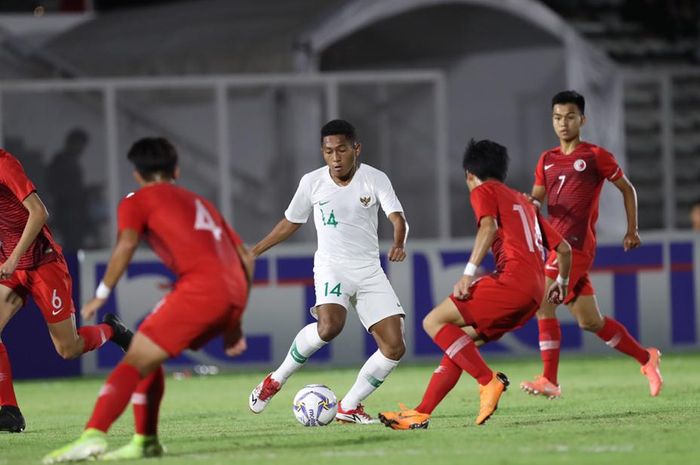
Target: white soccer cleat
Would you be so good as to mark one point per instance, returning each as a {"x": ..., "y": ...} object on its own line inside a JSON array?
[
  {"x": 263, "y": 393},
  {"x": 356, "y": 415}
]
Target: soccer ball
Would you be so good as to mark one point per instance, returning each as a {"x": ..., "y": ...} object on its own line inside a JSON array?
[{"x": 315, "y": 405}]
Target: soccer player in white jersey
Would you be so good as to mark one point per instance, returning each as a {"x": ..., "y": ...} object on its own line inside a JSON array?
[{"x": 344, "y": 197}]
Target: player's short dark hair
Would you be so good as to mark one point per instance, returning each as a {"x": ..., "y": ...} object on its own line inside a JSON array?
[
  {"x": 338, "y": 127},
  {"x": 696, "y": 203},
  {"x": 152, "y": 156},
  {"x": 486, "y": 159},
  {"x": 570, "y": 96}
]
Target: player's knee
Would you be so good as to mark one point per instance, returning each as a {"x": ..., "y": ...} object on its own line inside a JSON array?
[
  {"x": 591, "y": 325},
  {"x": 328, "y": 330},
  {"x": 430, "y": 325},
  {"x": 68, "y": 351},
  {"x": 394, "y": 351}
]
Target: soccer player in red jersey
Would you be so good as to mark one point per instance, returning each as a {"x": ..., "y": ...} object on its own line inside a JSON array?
[
  {"x": 31, "y": 264},
  {"x": 214, "y": 271},
  {"x": 571, "y": 177},
  {"x": 484, "y": 309}
]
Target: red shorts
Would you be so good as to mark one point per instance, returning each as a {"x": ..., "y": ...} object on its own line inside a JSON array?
[
  {"x": 188, "y": 317},
  {"x": 495, "y": 308},
  {"x": 579, "y": 282},
  {"x": 51, "y": 287}
]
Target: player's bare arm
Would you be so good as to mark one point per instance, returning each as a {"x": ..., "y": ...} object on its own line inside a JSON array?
[
  {"x": 397, "y": 253},
  {"x": 482, "y": 244},
  {"x": 127, "y": 242},
  {"x": 38, "y": 215},
  {"x": 537, "y": 195},
  {"x": 556, "y": 293},
  {"x": 281, "y": 232},
  {"x": 248, "y": 262},
  {"x": 629, "y": 196}
]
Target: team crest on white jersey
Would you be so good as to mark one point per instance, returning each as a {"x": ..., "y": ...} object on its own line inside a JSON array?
[
  {"x": 579, "y": 165},
  {"x": 365, "y": 201}
]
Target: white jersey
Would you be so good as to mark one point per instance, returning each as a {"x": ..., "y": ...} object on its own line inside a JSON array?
[{"x": 345, "y": 216}]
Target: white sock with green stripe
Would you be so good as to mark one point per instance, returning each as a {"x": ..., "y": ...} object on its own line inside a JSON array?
[
  {"x": 371, "y": 376},
  {"x": 305, "y": 344}
]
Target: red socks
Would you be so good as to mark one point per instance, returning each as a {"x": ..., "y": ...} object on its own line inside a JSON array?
[
  {"x": 146, "y": 401},
  {"x": 114, "y": 396},
  {"x": 95, "y": 336},
  {"x": 616, "y": 336},
  {"x": 7, "y": 391},
  {"x": 550, "y": 342},
  {"x": 462, "y": 351},
  {"x": 444, "y": 378}
]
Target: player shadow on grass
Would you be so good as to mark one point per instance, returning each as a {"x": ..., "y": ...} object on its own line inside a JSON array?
[
  {"x": 321, "y": 442},
  {"x": 613, "y": 415}
]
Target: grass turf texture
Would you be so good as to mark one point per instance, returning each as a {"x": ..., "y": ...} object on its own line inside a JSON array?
[{"x": 606, "y": 416}]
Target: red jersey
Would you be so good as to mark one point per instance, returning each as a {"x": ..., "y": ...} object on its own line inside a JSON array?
[
  {"x": 187, "y": 232},
  {"x": 573, "y": 183},
  {"x": 15, "y": 187},
  {"x": 519, "y": 247}
]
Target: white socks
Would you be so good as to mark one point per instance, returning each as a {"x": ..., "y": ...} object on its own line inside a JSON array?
[
  {"x": 305, "y": 344},
  {"x": 371, "y": 376}
]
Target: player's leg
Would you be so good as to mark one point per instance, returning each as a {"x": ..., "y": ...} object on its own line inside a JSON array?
[
  {"x": 389, "y": 335},
  {"x": 333, "y": 293},
  {"x": 585, "y": 309},
  {"x": 547, "y": 384},
  {"x": 51, "y": 288},
  {"x": 11, "y": 418},
  {"x": 146, "y": 405},
  {"x": 143, "y": 357},
  {"x": 331, "y": 320}
]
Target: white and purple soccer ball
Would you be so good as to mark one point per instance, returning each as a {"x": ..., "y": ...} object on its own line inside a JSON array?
[{"x": 315, "y": 405}]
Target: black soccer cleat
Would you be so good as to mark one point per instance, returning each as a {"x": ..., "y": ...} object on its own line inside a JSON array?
[
  {"x": 11, "y": 419},
  {"x": 122, "y": 335}
]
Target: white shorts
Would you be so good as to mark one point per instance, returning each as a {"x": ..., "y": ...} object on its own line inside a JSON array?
[{"x": 361, "y": 286}]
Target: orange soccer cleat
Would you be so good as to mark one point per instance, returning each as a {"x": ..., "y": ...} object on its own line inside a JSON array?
[
  {"x": 541, "y": 386},
  {"x": 652, "y": 372},
  {"x": 489, "y": 396},
  {"x": 405, "y": 418}
]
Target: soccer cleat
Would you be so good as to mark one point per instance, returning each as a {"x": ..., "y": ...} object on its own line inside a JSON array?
[
  {"x": 652, "y": 372},
  {"x": 122, "y": 335},
  {"x": 263, "y": 393},
  {"x": 489, "y": 396},
  {"x": 541, "y": 386},
  {"x": 11, "y": 419},
  {"x": 89, "y": 446},
  {"x": 356, "y": 415},
  {"x": 405, "y": 418},
  {"x": 139, "y": 447}
]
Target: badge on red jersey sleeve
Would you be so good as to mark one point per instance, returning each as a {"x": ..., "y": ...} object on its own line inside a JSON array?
[
  {"x": 129, "y": 214},
  {"x": 607, "y": 165},
  {"x": 12, "y": 175},
  {"x": 484, "y": 203}
]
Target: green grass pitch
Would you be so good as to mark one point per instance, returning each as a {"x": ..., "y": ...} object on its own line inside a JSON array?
[{"x": 605, "y": 417}]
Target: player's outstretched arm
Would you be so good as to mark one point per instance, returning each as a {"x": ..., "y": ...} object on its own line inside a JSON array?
[
  {"x": 248, "y": 262},
  {"x": 537, "y": 195},
  {"x": 279, "y": 233},
  {"x": 556, "y": 293},
  {"x": 629, "y": 195},
  {"x": 482, "y": 243},
  {"x": 397, "y": 253},
  {"x": 127, "y": 242},
  {"x": 37, "y": 219}
]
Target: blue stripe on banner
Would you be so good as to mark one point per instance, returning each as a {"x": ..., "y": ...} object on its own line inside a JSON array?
[
  {"x": 261, "y": 274},
  {"x": 614, "y": 257},
  {"x": 422, "y": 304},
  {"x": 295, "y": 269},
  {"x": 626, "y": 301},
  {"x": 683, "y": 318}
]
